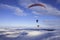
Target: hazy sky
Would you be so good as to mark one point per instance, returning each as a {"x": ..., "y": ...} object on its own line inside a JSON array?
[{"x": 17, "y": 13}]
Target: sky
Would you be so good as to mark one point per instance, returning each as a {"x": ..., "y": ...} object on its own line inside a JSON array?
[{"x": 16, "y": 13}]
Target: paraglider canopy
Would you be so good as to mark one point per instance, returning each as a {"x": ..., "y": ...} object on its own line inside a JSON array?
[{"x": 32, "y": 5}]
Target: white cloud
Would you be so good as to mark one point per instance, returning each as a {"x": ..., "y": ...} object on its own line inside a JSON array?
[
  {"x": 16, "y": 10},
  {"x": 26, "y": 3},
  {"x": 58, "y": 1},
  {"x": 10, "y": 32},
  {"x": 53, "y": 11},
  {"x": 49, "y": 10},
  {"x": 20, "y": 12},
  {"x": 55, "y": 23},
  {"x": 34, "y": 33}
]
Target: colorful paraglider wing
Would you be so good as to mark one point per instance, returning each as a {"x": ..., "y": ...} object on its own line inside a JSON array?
[{"x": 37, "y": 5}]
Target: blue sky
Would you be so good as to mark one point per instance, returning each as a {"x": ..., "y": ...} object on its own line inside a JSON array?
[{"x": 16, "y": 13}]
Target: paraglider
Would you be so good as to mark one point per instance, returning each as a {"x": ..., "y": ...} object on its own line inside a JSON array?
[
  {"x": 36, "y": 5},
  {"x": 37, "y": 23},
  {"x": 37, "y": 20},
  {"x": 33, "y": 5}
]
